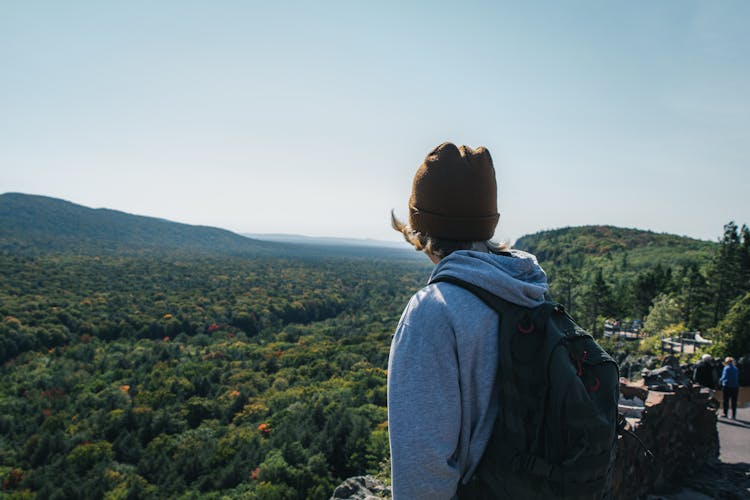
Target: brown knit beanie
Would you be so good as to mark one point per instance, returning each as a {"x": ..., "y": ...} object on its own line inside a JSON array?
[{"x": 454, "y": 194}]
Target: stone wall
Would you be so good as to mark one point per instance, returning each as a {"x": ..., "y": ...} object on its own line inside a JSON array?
[{"x": 678, "y": 426}]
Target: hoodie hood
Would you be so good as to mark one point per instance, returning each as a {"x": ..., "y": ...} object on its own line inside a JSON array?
[{"x": 517, "y": 278}]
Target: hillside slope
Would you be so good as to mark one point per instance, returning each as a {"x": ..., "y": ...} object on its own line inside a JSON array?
[
  {"x": 44, "y": 223},
  {"x": 637, "y": 249}
]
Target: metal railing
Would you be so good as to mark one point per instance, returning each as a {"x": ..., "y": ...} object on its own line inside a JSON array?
[{"x": 686, "y": 342}]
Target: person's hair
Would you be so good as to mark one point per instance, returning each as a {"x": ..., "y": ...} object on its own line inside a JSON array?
[
  {"x": 729, "y": 360},
  {"x": 441, "y": 248}
]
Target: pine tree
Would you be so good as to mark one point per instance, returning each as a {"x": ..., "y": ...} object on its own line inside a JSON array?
[
  {"x": 694, "y": 296},
  {"x": 565, "y": 285},
  {"x": 597, "y": 301},
  {"x": 647, "y": 286},
  {"x": 726, "y": 274},
  {"x": 745, "y": 258}
]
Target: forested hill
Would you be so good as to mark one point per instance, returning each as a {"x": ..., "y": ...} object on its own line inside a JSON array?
[
  {"x": 606, "y": 271},
  {"x": 33, "y": 223},
  {"x": 572, "y": 246},
  {"x": 44, "y": 223}
]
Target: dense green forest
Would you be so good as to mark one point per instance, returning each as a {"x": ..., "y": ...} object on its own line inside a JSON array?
[
  {"x": 131, "y": 377},
  {"x": 213, "y": 368}
]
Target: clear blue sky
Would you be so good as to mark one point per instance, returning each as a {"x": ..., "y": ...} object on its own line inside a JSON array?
[{"x": 311, "y": 117}]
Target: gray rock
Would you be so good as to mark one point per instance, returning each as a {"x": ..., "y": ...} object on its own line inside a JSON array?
[
  {"x": 362, "y": 488},
  {"x": 667, "y": 378}
]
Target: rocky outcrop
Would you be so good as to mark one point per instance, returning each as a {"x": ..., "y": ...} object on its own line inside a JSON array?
[
  {"x": 362, "y": 488},
  {"x": 676, "y": 421}
]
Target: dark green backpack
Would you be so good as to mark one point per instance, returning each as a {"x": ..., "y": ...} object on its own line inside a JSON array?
[{"x": 556, "y": 432}]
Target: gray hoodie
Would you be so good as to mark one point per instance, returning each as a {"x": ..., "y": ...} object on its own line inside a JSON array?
[{"x": 441, "y": 371}]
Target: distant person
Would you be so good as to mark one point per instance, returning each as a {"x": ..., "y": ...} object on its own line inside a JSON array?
[
  {"x": 730, "y": 386},
  {"x": 703, "y": 373},
  {"x": 443, "y": 401}
]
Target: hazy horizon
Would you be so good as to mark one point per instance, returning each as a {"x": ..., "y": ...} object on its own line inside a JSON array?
[
  {"x": 300, "y": 237},
  {"x": 311, "y": 119}
]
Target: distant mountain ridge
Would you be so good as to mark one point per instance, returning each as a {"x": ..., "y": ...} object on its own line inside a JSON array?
[
  {"x": 34, "y": 223},
  {"x": 42, "y": 222}
]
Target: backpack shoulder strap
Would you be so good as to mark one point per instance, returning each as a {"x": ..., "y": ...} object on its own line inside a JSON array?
[
  {"x": 496, "y": 303},
  {"x": 499, "y": 304},
  {"x": 517, "y": 359}
]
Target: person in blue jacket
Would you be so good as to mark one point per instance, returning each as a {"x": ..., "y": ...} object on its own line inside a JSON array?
[
  {"x": 444, "y": 353},
  {"x": 730, "y": 386}
]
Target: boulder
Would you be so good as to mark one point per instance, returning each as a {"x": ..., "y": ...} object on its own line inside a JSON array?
[
  {"x": 667, "y": 378},
  {"x": 362, "y": 488},
  {"x": 630, "y": 390}
]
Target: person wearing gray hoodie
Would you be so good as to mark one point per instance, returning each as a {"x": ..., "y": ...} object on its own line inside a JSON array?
[{"x": 444, "y": 354}]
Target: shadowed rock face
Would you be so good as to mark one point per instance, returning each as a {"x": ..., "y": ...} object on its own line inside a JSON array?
[{"x": 677, "y": 424}]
